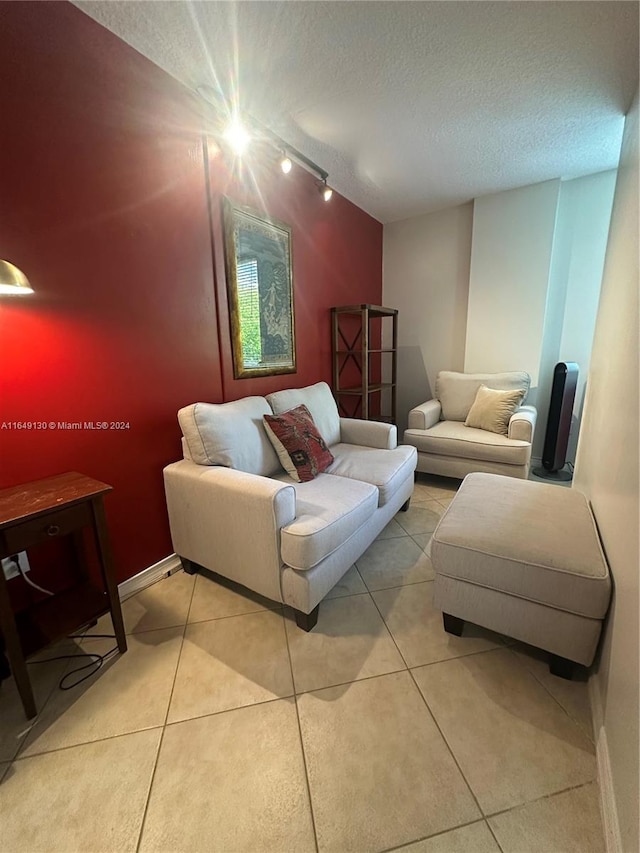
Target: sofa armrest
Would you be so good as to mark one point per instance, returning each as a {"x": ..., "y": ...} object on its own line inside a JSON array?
[
  {"x": 229, "y": 522},
  {"x": 425, "y": 416},
  {"x": 523, "y": 423},
  {"x": 368, "y": 433}
]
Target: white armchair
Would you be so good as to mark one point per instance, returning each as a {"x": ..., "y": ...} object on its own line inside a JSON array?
[{"x": 449, "y": 448}]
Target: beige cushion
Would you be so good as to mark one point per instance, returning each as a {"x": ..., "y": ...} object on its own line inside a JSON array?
[
  {"x": 491, "y": 410},
  {"x": 328, "y": 511},
  {"x": 319, "y": 400},
  {"x": 531, "y": 540},
  {"x": 457, "y": 391},
  {"x": 384, "y": 469},
  {"x": 230, "y": 434},
  {"x": 451, "y": 438}
]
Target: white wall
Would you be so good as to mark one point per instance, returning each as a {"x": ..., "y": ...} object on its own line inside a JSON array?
[
  {"x": 510, "y": 264},
  {"x": 579, "y": 246},
  {"x": 607, "y": 472},
  {"x": 426, "y": 276}
]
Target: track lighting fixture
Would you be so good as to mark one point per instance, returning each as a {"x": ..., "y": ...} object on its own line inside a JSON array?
[
  {"x": 285, "y": 163},
  {"x": 243, "y": 130},
  {"x": 237, "y": 136},
  {"x": 325, "y": 190}
]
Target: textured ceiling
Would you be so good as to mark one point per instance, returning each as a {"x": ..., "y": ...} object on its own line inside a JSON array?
[{"x": 410, "y": 106}]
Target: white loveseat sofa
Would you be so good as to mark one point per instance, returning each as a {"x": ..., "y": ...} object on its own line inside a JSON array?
[
  {"x": 449, "y": 448},
  {"x": 233, "y": 509}
]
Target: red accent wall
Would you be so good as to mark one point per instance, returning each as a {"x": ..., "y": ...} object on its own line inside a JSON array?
[{"x": 104, "y": 204}]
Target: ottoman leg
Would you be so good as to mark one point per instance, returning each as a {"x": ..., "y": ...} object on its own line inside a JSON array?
[
  {"x": 452, "y": 625},
  {"x": 561, "y": 667}
]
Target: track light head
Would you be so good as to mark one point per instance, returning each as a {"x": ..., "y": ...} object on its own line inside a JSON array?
[
  {"x": 285, "y": 163},
  {"x": 237, "y": 136},
  {"x": 325, "y": 191}
]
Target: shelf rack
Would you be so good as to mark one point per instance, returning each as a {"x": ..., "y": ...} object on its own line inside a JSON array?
[{"x": 352, "y": 341}]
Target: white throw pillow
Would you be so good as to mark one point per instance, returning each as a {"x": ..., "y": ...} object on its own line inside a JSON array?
[{"x": 492, "y": 409}]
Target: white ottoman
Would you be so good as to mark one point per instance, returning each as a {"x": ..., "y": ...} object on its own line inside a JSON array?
[{"x": 523, "y": 559}]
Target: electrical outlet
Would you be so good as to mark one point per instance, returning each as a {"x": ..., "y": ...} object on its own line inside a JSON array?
[{"x": 9, "y": 567}]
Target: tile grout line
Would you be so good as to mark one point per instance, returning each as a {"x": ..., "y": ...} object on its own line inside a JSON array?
[
  {"x": 555, "y": 699},
  {"x": 375, "y": 604},
  {"x": 164, "y": 725},
  {"x": 22, "y": 758},
  {"x": 404, "y": 846},
  {"x": 457, "y": 657},
  {"x": 494, "y": 836},
  {"x": 278, "y": 610},
  {"x": 437, "y": 725},
  {"x": 430, "y": 712},
  {"x": 541, "y": 798},
  {"x": 304, "y": 757}
]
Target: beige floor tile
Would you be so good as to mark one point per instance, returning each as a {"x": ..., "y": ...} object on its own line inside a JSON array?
[
  {"x": 438, "y": 487},
  {"x": 445, "y": 502},
  {"x": 416, "y": 626},
  {"x": 231, "y": 782},
  {"x": 379, "y": 771},
  {"x": 214, "y": 598},
  {"x": 392, "y": 531},
  {"x": 44, "y": 677},
  {"x": 394, "y": 562},
  {"x": 423, "y": 540},
  {"x": 228, "y": 663},
  {"x": 88, "y": 798},
  {"x": 350, "y": 584},
  {"x": 564, "y": 823},
  {"x": 422, "y": 492},
  {"x": 420, "y": 517},
  {"x": 513, "y": 742},
  {"x": 474, "y": 838},
  {"x": 349, "y": 642},
  {"x": 572, "y": 695},
  {"x": 129, "y": 693},
  {"x": 163, "y": 605}
]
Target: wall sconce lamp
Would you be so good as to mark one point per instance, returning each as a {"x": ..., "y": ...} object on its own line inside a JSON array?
[{"x": 13, "y": 282}]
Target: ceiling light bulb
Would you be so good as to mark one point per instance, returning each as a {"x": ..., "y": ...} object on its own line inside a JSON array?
[
  {"x": 286, "y": 164},
  {"x": 237, "y": 136},
  {"x": 327, "y": 192}
]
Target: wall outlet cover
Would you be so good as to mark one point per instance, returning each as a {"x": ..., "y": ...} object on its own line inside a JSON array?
[{"x": 9, "y": 567}]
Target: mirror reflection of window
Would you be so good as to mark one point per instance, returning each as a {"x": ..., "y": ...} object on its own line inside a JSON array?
[{"x": 249, "y": 306}]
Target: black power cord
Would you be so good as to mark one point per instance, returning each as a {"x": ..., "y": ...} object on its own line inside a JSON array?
[{"x": 96, "y": 660}]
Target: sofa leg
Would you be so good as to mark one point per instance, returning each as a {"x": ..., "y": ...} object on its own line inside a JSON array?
[
  {"x": 452, "y": 624},
  {"x": 405, "y": 505},
  {"x": 188, "y": 566},
  {"x": 307, "y": 621},
  {"x": 561, "y": 667}
]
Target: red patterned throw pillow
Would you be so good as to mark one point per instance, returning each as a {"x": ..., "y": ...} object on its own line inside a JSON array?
[{"x": 301, "y": 449}]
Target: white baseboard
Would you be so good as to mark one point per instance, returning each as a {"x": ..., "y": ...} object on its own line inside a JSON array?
[
  {"x": 148, "y": 576},
  {"x": 608, "y": 808}
]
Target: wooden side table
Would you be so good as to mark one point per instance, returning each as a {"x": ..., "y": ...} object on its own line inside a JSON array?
[{"x": 32, "y": 514}]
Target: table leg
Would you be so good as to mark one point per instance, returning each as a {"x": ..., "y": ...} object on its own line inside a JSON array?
[
  {"x": 14, "y": 653},
  {"x": 106, "y": 564}
]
